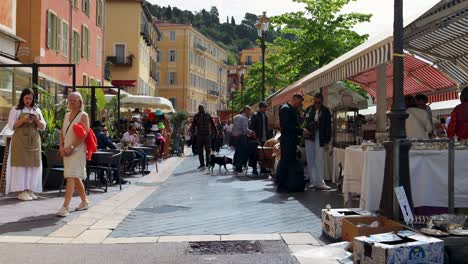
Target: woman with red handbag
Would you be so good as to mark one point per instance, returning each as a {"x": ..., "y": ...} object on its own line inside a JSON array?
[{"x": 73, "y": 151}]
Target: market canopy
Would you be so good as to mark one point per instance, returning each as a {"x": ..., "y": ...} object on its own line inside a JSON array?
[
  {"x": 147, "y": 102},
  {"x": 420, "y": 77},
  {"x": 451, "y": 26},
  {"x": 441, "y": 36}
]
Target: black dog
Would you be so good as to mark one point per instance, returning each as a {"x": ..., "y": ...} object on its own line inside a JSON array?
[{"x": 221, "y": 161}]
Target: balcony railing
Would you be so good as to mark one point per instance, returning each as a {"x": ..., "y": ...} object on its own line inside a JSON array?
[
  {"x": 213, "y": 92},
  {"x": 153, "y": 74},
  {"x": 200, "y": 47},
  {"x": 120, "y": 61}
]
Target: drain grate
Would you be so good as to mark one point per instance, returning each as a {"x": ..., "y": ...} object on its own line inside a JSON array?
[
  {"x": 224, "y": 248},
  {"x": 163, "y": 209}
]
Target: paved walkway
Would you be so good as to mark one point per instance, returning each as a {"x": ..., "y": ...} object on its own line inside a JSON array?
[{"x": 196, "y": 203}]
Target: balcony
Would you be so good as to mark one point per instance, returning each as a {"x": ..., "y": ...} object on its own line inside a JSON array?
[
  {"x": 121, "y": 61},
  {"x": 200, "y": 47},
  {"x": 213, "y": 93},
  {"x": 226, "y": 62}
]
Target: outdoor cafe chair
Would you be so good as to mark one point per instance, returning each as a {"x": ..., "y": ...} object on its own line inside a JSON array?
[
  {"x": 100, "y": 165},
  {"x": 54, "y": 164}
]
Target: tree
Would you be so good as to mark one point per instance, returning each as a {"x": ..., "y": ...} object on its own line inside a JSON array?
[
  {"x": 214, "y": 15},
  {"x": 307, "y": 40},
  {"x": 168, "y": 13},
  {"x": 233, "y": 22}
]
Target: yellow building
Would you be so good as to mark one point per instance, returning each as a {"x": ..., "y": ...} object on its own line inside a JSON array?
[
  {"x": 192, "y": 69},
  {"x": 130, "y": 46},
  {"x": 251, "y": 56}
]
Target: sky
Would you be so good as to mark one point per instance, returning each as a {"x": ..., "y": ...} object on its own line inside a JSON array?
[{"x": 382, "y": 10}]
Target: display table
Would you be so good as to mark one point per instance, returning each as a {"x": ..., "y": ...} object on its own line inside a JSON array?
[
  {"x": 338, "y": 161},
  {"x": 364, "y": 173}
]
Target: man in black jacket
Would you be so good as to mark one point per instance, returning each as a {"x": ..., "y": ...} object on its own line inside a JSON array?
[
  {"x": 317, "y": 121},
  {"x": 290, "y": 175},
  {"x": 259, "y": 125},
  {"x": 205, "y": 129}
]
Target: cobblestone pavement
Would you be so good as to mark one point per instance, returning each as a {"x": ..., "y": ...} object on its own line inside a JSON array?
[{"x": 193, "y": 202}]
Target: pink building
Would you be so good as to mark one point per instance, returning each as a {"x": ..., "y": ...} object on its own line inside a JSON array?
[{"x": 63, "y": 31}]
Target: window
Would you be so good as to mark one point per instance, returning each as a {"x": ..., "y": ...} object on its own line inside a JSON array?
[
  {"x": 85, "y": 79},
  {"x": 76, "y": 47},
  {"x": 158, "y": 57},
  {"x": 85, "y": 6},
  {"x": 99, "y": 14},
  {"x": 174, "y": 102},
  {"x": 98, "y": 51},
  {"x": 157, "y": 77},
  {"x": 85, "y": 42},
  {"x": 172, "y": 55},
  {"x": 91, "y": 81},
  {"x": 249, "y": 60},
  {"x": 53, "y": 31},
  {"x": 172, "y": 78},
  {"x": 75, "y": 3},
  {"x": 160, "y": 37},
  {"x": 172, "y": 35},
  {"x": 120, "y": 53},
  {"x": 65, "y": 39}
]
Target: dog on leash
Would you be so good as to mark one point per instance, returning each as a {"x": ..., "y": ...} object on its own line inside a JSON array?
[{"x": 221, "y": 161}]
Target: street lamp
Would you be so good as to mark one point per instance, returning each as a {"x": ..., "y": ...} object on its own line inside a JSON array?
[
  {"x": 241, "y": 73},
  {"x": 397, "y": 172},
  {"x": 262, "y": 26}
]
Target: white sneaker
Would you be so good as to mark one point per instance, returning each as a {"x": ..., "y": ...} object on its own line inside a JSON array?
[
  {"x": 24, "y": 196},
  {"x": 82, "y": 207},
  {"x": 32, "y": 195},
  {"x": 63, "y": 212},
  {"x": 323, "y": 187}
]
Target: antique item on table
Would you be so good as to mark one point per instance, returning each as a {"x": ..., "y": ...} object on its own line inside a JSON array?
[
  {"x": 459, "y": 232},
  {"x": 433, "y": 232},
  {"x": 345, "y": 126}
]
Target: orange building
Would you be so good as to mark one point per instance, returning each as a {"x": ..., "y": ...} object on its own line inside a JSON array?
[
  {"x": 251, "y": 56},
  {"x": 63, "y": 32}
]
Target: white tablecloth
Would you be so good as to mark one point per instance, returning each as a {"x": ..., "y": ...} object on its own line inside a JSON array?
[
  {"x": 364, "y": 173},
  {"x": 338, "y": 159}
]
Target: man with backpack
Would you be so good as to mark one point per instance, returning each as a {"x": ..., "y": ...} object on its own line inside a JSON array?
[{"x": 205, "y": 129}]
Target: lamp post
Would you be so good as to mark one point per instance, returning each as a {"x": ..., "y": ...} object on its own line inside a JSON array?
[
  {"x": 241, "y": 73},
  {"x": 262, "y": 26},
  {"x": 397, "y": 171}
]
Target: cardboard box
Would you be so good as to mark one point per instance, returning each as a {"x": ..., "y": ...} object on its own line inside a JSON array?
[
  {"x": 332, "y": 219},
  {"x": 352, "y": 230},
  {"x": 404, "y": 247}
]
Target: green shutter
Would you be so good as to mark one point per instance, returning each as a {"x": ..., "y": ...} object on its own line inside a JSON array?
[
  {"x": 89, "y": 44},
  {"x": 65, "y": 40},
  {"x": 82, "y": 44},
  {"x": 58, "y": 22},
  {"x": 78, "y": 42},
  {"x": 72, "y": 51},
  {"x": 49, "y": 30}
]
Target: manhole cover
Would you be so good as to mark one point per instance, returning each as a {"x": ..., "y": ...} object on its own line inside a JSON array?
[
  {"x": 147, "y": 184},
  {"x": 224, "y": 248},
  {"x": 163, "y": 209}
]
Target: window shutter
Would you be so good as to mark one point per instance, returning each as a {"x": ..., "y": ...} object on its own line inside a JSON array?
[
  {"x": 49, "y": 30},
  {"x": 83, "y": 5},
  {"x": 78, "y": 43},
  {"x": 98, "y": 3},
  {"x": 59, "y": 33},
  {"x": 72, "y": 51},
  {"x": 83, "y": 43},
  {"x": 89, "y": 44}
]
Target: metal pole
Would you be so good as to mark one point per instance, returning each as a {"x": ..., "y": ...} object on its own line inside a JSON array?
[
  {"x": 35, "y": 79},
  {"x": 397, "y": 153},
  {"x": 93, "y": 104},
  {"x": 74, "y": 78},
  {"x": 451, "y": 177},
  {"x": 263, "y": 65},
  {"x": 242, "y": 90},
  {"x": 118, "y": 110}
]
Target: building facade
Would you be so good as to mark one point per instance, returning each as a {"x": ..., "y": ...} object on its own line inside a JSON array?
[
  {"x": 192, "y": 69},
  {"x": 9, "y": 43},
  {"x": 251, "y": 56},
  {"x": 63, "y": 32},
  {"x": 130, "y": 47}
]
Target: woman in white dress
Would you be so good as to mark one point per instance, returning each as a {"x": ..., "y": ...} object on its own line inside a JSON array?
[
  {"x": 73, "y": 151},
  {"x": 24, "y": 166}
]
